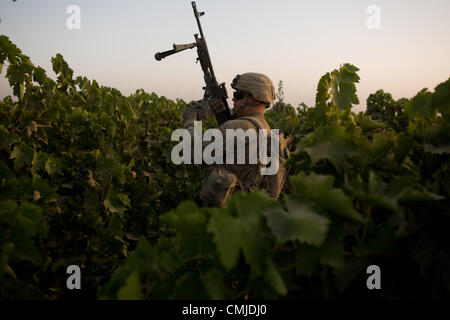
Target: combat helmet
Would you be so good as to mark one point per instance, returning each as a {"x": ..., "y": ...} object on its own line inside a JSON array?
[{"x": 259, "y": 85}]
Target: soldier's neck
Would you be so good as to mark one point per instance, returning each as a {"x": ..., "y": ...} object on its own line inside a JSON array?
[{"x": 251, "y": 110}]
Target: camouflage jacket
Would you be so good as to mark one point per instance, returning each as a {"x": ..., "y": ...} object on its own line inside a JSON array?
[{"x": 219, "y": 181}]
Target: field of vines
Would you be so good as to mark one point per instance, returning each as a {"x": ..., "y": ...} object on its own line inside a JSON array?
[{"x": 86, "y": 179}]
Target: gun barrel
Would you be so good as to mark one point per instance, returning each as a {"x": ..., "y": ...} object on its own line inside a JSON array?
[
  {"x": 203, "y": 43},
  {"x": 176, "y": 48},
  {"x": 197, "y": 17},
  {"x": 162, "y": 55}
]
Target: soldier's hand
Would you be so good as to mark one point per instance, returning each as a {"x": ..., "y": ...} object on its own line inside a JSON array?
[
  {"x": 190, "y": 114},
  {"x": 210, "y": 107},
  {"x": 203, "y": 109}
]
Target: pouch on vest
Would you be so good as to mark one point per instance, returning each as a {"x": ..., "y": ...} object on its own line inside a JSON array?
[{"x": 218, "y": 186}]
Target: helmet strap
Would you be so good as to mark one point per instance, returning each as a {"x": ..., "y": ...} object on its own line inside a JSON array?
[{"x": 242, "y": 106}]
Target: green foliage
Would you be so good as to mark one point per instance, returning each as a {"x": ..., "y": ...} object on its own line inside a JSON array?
[
  {"x": 86, "y": 179},
  {"x": 299, "y": 222},
  {"x": 95, "y": 164},
  {"x": 381, "y": 107},
  {"x": 337, "y": 88}
]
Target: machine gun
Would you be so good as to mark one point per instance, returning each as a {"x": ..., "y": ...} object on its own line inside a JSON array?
[{"x": 214, "y": 91}]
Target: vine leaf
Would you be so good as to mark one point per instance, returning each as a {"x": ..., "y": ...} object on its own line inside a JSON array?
[
  {"x": 132, "y": 288},
  {"x": 241, "y": 225},
  {"x": 330, "y": 142},
  {"x": 274, "y": 278},
  {"x": 298, "y": 223},
  {"x": 226, "y": 230},
  {"x": 338, "y": 88},
  {"x": 319, "y": 189},
  {"x": 22, "y": 155}
]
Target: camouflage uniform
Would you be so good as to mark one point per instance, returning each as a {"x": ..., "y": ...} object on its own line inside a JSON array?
[{"x": 220, "y": 180}]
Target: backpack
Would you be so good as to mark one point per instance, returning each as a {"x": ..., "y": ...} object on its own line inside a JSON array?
[{"x": 273, "y": 184}]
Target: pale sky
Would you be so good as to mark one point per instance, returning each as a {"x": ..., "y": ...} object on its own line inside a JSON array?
[{"x": 293, "y": 41}]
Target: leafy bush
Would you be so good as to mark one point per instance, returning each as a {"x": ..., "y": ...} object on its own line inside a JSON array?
[{"x": 95, "y": 165}]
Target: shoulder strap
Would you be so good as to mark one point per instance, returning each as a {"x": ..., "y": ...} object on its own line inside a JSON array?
[
  {"x": 259, "y": 127},
  {"x": 255, "y": 122}
]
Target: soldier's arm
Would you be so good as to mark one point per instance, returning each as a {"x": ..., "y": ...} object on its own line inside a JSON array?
[{"x": 196, "y": 111}]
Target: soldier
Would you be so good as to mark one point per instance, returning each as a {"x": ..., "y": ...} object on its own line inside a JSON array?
[{"x": 254, "y": 92}]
